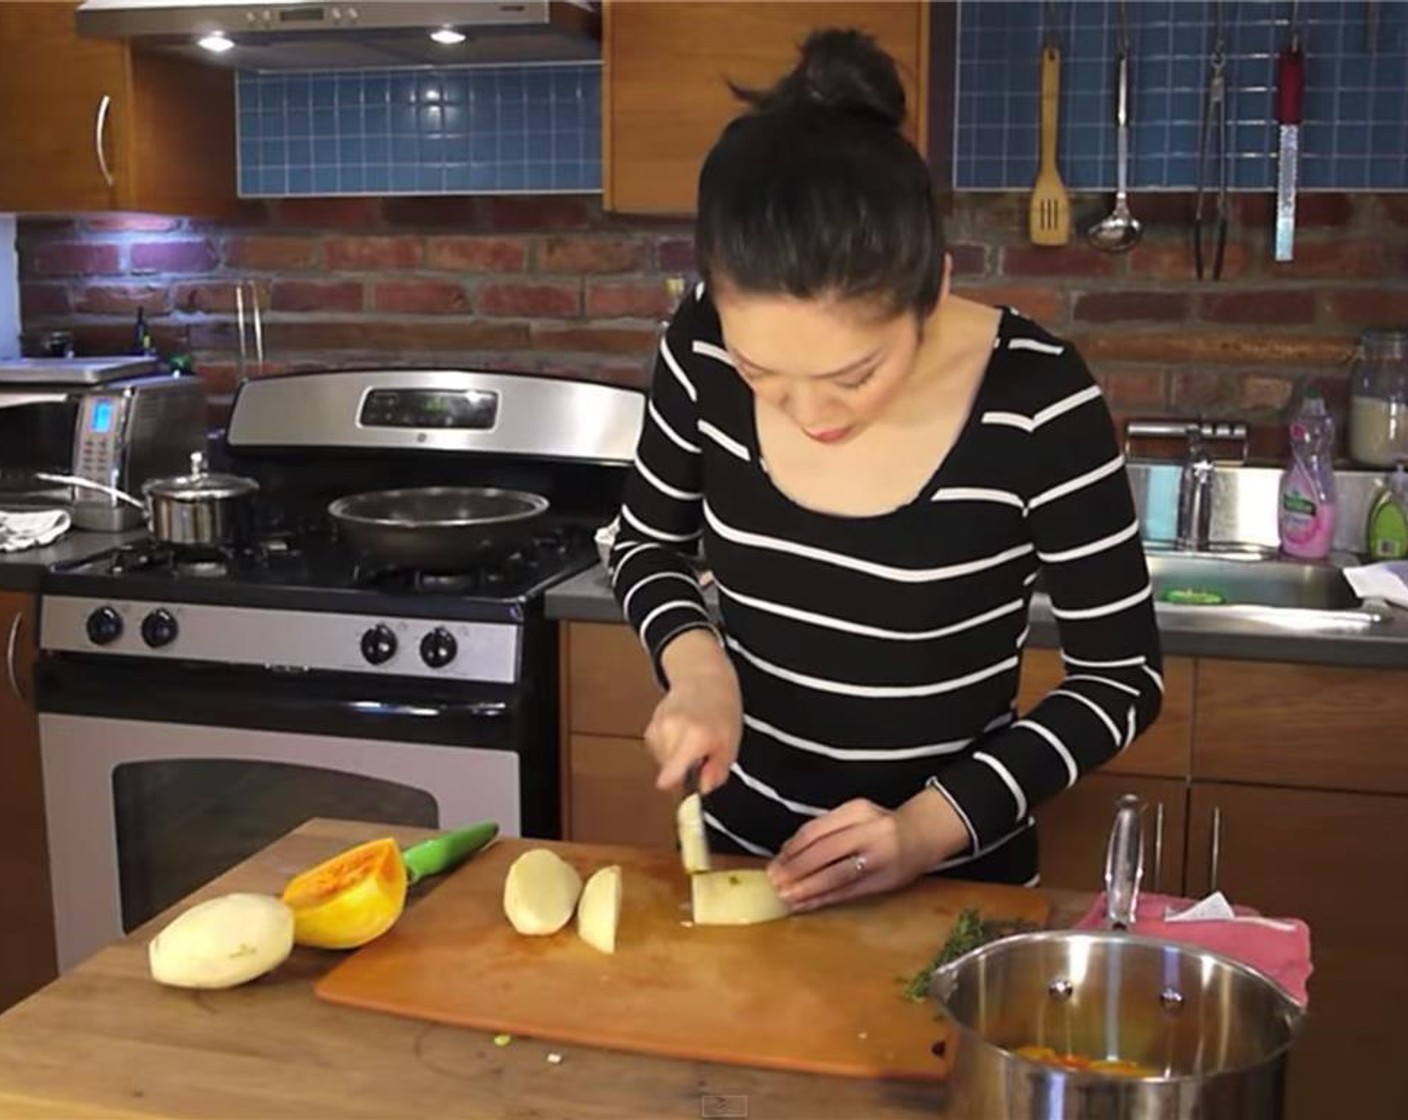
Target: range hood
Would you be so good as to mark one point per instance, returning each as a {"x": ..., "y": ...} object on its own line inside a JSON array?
[{"x": 298, "y": 35}]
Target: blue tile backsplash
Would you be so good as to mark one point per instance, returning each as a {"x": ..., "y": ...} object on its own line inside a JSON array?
[
  {"x": 498, "y": 129},
  {"x": 1355, "y": 133}
]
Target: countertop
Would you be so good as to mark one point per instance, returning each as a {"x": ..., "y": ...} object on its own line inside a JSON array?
[
  {"x": 105, "y": 1041},
  {"x": 21, "y": 571},
  {"x": 1186, "y": 631}
]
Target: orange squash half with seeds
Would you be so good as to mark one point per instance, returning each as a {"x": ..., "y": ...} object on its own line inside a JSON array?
[{"x": 350, "y": 899}]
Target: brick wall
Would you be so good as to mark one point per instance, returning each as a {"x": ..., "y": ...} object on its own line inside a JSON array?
[{"x": 552, "y": 284}]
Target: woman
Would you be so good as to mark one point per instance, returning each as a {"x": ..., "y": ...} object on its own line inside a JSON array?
[{"x": 879, "y": 471}]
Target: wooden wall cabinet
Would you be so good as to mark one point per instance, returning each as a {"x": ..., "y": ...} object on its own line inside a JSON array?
[
  {"x": 665, "y": 94},
  {"x": 27, "y": 960},
  {"x": 92, "y": 125}
]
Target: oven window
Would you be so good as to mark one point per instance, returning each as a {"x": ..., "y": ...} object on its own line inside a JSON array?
[{"x": 181, "y": 823}]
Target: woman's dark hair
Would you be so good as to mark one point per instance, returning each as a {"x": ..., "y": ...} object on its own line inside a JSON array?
[{"x": 814, "y": 191}]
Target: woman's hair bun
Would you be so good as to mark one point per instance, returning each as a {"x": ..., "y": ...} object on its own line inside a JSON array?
[{"x": 842, "y": 70}]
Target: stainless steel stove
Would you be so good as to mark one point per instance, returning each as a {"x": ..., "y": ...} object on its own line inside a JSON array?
[{"x": 194, "y": 706}]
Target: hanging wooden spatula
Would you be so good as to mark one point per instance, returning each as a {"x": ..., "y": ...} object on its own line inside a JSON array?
[{"x": 1049, "y": 218}]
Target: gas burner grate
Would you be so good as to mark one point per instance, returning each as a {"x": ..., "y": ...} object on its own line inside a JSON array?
[{"x": 151, "y": 558}]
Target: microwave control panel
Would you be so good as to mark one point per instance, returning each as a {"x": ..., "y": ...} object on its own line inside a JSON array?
[{"x": 96, "y": 450}]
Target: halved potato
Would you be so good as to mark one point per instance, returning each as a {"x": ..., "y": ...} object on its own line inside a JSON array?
[
  {"x": 222, "y": 942},
  {"x": 540, "y": 892},
  {"x": 599, "y": 911},
  {"x": 735, "y": 898}
]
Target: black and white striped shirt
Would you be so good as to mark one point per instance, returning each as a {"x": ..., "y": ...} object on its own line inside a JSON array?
[{"x": 878, "y": 655}]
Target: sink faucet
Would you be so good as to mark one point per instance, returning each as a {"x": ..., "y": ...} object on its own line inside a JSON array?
[{"x": 1195, "y": 494}]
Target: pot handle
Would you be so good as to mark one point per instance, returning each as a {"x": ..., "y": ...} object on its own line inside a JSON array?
[
  {"x": 1124, "y": 862},
  {"x": 944, "y": 979}
]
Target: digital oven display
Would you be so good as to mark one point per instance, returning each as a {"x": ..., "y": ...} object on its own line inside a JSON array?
[
  {"x": 463, "y": 410},
  {"x": 101, "y": 422}
]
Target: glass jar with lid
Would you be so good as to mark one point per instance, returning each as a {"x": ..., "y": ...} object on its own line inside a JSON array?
[{"x": 1378, "y": 399}]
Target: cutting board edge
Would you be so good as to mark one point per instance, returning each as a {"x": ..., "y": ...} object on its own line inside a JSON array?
[{"x": 698, "y": 1053}]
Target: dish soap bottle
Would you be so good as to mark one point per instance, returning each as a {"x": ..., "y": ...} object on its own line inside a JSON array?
[
  {"x": 1307, "y": 513},
  {"x": 1388, "y": 519}
]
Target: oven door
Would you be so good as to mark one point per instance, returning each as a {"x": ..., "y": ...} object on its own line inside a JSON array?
[{"x": 159, "y": 778}]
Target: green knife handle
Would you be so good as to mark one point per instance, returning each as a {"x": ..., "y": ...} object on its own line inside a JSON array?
[{"x": 441, "y": 853}]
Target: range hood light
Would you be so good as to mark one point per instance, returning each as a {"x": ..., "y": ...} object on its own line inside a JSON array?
[
  {"x": 217, "y": 42},
  {"x": 447, "y": 36}
]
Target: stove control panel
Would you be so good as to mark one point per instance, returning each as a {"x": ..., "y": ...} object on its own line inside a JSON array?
[
  {"x": 465, "y": 409},
  {"x": 284, "y": 639}
]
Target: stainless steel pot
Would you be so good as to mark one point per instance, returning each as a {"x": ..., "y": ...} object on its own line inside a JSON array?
[
  {"x": 197, "y": 511},
  {"x": 437, "y": 528},
  {"x": 201, "y": 510},
  {"x": 1214, "y": 1033}
]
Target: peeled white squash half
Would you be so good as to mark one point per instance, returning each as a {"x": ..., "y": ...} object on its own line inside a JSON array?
[
  {"x": 540, "y": 892},
  {"x": 222, "y": 942},
  {"x": 599, "y": 911},
  {"x": 735, "y": 898}
]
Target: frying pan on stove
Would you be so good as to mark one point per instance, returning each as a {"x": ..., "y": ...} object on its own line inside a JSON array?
[{"x": 437, "y": 528}]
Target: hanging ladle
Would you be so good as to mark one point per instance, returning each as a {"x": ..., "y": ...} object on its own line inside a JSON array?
[{"x": 1120, "y": 230}]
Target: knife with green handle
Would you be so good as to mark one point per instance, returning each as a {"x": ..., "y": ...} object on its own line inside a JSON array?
[{"x": 447, "y": 851}]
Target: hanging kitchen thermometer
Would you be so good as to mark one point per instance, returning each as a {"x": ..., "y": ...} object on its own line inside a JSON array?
[{"x": 1290, "y": 95}]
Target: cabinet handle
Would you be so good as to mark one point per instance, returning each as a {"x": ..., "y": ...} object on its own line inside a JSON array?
[
  {"x": 11, "y": 656},
  {"x": 100, "y": 129},
  {"x": 1159, "y": 846},
  {"x": 1215, "y": 859}
]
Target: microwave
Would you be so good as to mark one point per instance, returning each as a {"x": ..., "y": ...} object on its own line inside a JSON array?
[{"x": 117, "y": 422}]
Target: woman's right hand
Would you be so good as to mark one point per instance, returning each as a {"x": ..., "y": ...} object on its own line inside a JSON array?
[{"x": 700, "y": 717}]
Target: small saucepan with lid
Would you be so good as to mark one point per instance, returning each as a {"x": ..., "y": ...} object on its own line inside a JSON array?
[{"x": 199, "y": 511}]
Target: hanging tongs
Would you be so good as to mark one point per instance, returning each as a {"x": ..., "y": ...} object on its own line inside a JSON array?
[
  {"x": 1212, "y": 149},
  {"x": 242, "y": 373}
]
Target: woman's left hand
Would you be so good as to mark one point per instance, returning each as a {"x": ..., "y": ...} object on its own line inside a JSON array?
[{"x": 860, "y": 848}]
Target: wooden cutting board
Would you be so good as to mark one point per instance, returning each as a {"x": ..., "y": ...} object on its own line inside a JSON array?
[{"x": 818, "y": 992}]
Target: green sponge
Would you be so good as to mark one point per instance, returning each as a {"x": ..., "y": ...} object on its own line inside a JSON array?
[{"x": 1194, "y": 597}]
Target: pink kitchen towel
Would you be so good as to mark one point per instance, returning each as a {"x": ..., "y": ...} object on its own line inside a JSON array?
[{"x": 1279, "y": 947}]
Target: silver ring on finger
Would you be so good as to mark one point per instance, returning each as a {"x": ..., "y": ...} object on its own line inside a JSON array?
[{"x": 858, "y": 862}]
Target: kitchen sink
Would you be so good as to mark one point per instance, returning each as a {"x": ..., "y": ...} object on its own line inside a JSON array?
[
  {"x": 1256, "y": 585},
  {"x": 1249, "y": 578}
]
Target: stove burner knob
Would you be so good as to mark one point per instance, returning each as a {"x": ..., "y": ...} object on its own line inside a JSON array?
[
  {"x": 104, "y": 626},
  {"x": 379, "y": 644},
  {"x": 438, "y": 648},
  {"x": 159, "y": 629}
]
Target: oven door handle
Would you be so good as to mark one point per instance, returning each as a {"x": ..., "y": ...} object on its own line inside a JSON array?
[
  {"x": 12, "y": 658},
  {"x": 479, "y": 709}
]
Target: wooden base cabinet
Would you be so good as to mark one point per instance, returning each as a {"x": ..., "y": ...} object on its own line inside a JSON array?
[
  {"x": 1074, "y": 830},
  {"x": 1339, "y": 861},
  {"x": 27, "y": 960},
  {"x": 613, "y": 798},
  {"x": 91, "y": 124},
  {"x": 609, "y": 693}
]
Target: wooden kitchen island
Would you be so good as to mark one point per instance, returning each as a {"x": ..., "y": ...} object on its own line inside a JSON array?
[{"x": 104, "y": 1040}]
